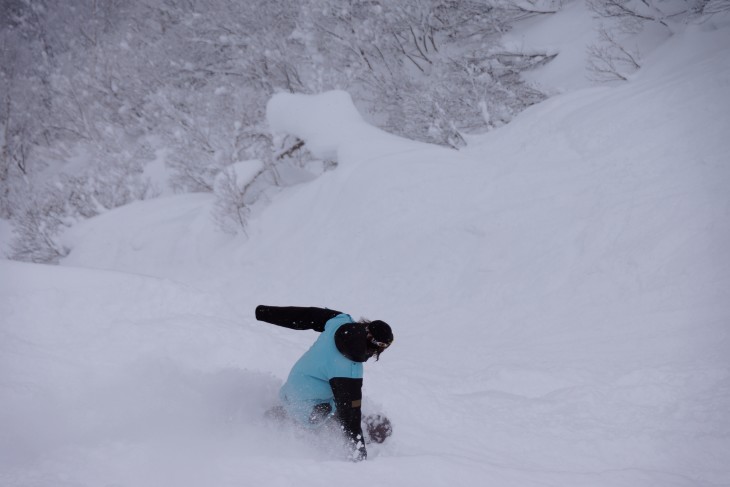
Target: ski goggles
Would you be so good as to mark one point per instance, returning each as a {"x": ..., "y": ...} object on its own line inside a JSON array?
[{"x": 376, "y": 343}]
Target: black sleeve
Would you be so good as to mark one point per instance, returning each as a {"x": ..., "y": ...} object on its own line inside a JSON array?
[
  {"x": 348, "y": 398},
  {"x": 295, "y": 317}
]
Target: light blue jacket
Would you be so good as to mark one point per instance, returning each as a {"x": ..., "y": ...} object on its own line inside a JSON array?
[{"x": 308, "y": 382}]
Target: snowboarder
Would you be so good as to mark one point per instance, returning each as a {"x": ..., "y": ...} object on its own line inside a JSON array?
[{"x": 325, "y": 384}]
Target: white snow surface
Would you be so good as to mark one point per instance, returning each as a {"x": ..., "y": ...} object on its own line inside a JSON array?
[{"x": 558, "y": 291}]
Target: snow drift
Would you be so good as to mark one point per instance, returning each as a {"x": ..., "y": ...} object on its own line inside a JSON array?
[{"x": 334, "y": 129}]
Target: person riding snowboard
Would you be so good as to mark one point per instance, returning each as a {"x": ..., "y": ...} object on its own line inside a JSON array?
[{"x": 326, "y": 382}]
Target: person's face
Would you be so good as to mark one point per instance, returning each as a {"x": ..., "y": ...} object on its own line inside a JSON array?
[{"x": 374, "y": 347}]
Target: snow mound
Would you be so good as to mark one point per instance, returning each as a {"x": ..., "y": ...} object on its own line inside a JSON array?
[
  {"x": 332, "y": 127},
  {"x": 137, "y": 237}
]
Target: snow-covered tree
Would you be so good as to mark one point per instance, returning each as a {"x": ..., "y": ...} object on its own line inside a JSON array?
[
  {"x": 428, "y": 68},
  {"x": 616, "y": 54},
  {"x": 92, "y": 89}
]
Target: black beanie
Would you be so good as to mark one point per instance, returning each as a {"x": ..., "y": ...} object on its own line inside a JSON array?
[{"x": 380, "y": 330}]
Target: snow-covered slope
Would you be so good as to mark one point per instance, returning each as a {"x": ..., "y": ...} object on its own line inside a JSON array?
[{"x": 558, "y": 293}]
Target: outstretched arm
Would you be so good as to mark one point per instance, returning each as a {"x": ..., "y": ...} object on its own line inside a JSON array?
[
  {"x": 348, "y": 398},
  {"x": 295, "y": 317}
]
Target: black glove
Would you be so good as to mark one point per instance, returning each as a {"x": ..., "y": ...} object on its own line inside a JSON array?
[{"x": 358, "y": 452}]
